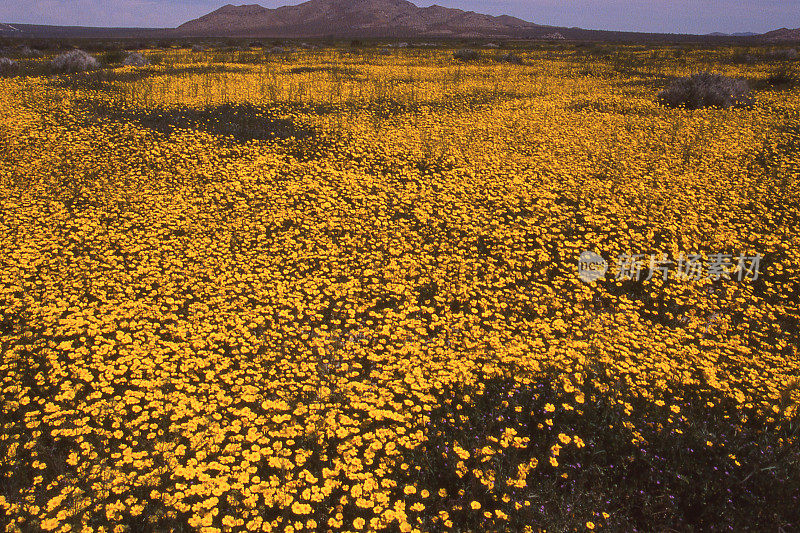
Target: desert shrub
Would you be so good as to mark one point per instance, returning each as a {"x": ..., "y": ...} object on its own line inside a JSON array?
[
  {"x": 706, "y": 90},
  {"x": 510, "y": 58},
  {"x": 742, "y": 58},
  {"x": 7, "y": 66},
  {"x": 135, "y": 60},
  {"x": 783, "y": 77},
  {"x": 28, "y": 52},
  {"x": 112, "y": 57},
  {"x": 21, "y": 52},
  {"x": 74, "y": 61},
  {"x": 466, "y": 54},
  {"x": 788, "y": 54},
  {"x": 749, "y": 57}
]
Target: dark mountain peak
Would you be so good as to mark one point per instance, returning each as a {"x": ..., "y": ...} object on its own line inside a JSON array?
[
  {"x": 241, "y": 10},
  {"x": 783, "y": 34},
  {"x": 351, "y": 17}
]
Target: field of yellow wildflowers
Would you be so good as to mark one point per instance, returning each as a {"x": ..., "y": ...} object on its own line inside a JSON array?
[{"x": 332, "y": 289}]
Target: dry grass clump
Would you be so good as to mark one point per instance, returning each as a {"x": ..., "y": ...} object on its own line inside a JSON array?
[
  {"x": 7, "y": 66},
  {"x": 707, "y": 90},
  {"x": 512, "y": 59},
  {"x": 74, "y": 61},
  {"x": 136, "y": 60},
  {"x": 466, "y": 54}
]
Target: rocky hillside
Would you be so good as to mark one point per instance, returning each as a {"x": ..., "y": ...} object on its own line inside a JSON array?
[{"x": 356, "y": 17}]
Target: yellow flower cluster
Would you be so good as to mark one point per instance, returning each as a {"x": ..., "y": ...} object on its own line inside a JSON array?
[{"x": 211, "y": 326}]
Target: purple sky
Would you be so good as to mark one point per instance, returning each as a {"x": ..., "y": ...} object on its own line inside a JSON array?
[{"x": 679, "y": 16}]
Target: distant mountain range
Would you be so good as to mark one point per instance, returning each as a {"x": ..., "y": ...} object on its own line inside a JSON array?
[
  {"x": 368, "y": 19},
  {"x": 355, "y": 17},
  {"x": 388, "y": 18}
]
